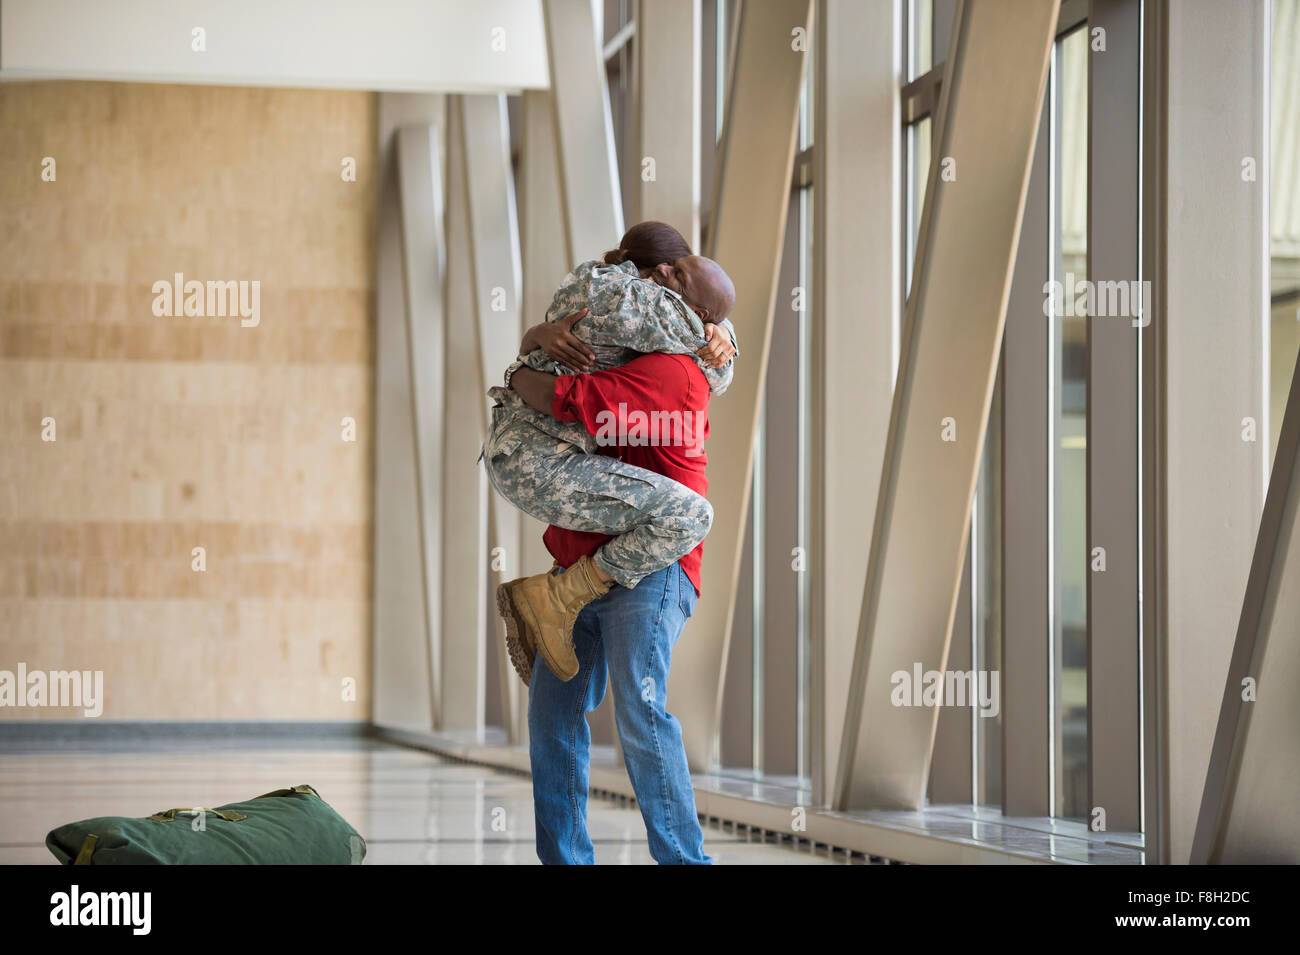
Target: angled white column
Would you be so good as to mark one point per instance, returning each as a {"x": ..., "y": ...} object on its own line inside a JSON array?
[
  {"x": 751, "y": 198},
  {"x": 988, "y": 121},
  {"x": 856, "y": 302},
  {"x": 402, "y": 601},
  {"x": 541, "y": 225},
  {"x": 668, "y": 115},
  {"x": 590, "y": 199},
  {"x": 584, "y": 136},
  {"x": 541, "y": 220},
  {"x": 1208, "y": 192},
  {"x": 423, "y": 263},
  {"x": 1247, "y": 813},
  {"x": 494, "y": 255},
  {"x": 465, "y": 625}
]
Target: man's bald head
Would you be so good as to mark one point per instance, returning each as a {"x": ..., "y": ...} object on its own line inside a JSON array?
[{"x": 702, "y": 283}]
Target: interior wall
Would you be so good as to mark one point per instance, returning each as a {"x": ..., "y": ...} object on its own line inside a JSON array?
[{"x": 173, "y": 433}]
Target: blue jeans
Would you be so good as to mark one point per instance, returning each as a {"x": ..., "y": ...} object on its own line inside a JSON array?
[{"x": 627, "y": 636}]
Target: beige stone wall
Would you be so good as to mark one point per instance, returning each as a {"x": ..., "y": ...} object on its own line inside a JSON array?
[{"x": 179, "y": 432}]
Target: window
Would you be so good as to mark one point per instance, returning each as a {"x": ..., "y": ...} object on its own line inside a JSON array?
[
  {"x": 1069, "y": 91},
  {"x": 620, "y": 74}
]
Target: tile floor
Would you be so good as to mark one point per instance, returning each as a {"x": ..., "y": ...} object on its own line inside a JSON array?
[{"x": 412, "y": 807}]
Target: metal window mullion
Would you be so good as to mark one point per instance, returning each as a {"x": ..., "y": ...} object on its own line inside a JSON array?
[
  {"x": 1113, "y": 616},
  {"x": 1053, "y": 368},
  {"x": 1026, "y": 604},
  {"x": 1201, "y": 566},
  {"x": 756, "y": 513},
  {"x": 802, "y": 666}
]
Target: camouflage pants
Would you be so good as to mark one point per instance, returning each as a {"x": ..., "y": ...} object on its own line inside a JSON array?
[{"x": 655, "y": 519}]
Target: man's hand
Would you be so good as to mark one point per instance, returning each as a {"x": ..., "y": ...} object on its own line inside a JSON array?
[
  {"x": 718, "y": 347},
  {"x": 559, "y": 342}
]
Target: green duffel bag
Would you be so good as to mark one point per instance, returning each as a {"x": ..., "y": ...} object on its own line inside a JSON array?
[{"x": 287, "y": 827}]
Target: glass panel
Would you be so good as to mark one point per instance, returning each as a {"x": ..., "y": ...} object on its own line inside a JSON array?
[
  {"x": 920, "y": 33},
  {"x": 716, "y": 33},
  {"x": 619, "y": 72},
  {"x": 1070, "y": 428},
  {"x": 917, "y": 177},
  {"x": 986, "y": 528},
  {"x": 803, "y": 606}
]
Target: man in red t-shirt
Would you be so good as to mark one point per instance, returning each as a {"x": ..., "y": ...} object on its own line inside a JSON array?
[{"x": 626, "y": 636}]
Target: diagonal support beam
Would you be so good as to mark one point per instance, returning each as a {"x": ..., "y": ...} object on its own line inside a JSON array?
[
  {"x": 465, "y": 487},
  {"x": 494, "y": 258},
  {"x": 403, "y": 601},
  {"x": 1254, "y": 773},
  {"x": 668, "y": 115},
  {"x": 542, "y": 257},
  {"x": 423, "y": 272},
  {"x": 988, "y": 114},
  {"x": 581, "y": 141},
  {"x": 584, "y": 134}
]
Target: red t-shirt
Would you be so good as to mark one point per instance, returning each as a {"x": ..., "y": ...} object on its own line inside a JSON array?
[{"x": 655, "y": 412}]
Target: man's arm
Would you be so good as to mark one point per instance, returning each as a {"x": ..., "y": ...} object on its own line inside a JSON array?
[
  {"x": 650, "y": 383},
  {"x": 536, "y": 388}
]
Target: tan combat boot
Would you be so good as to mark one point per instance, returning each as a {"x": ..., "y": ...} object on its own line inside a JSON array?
[
  {"x": 540, "y": 611},
  {"x": 520, "y": 643}
]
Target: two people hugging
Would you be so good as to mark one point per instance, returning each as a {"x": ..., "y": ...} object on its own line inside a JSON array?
[{"x": 645, "y": 328}]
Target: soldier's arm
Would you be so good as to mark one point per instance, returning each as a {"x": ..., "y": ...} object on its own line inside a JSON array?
[{"x": 643, "y": 316}]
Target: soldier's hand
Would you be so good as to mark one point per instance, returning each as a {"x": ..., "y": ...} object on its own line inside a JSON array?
[
  {"x": 558, "y": 341},
  {"x": 718, "y": 347}
]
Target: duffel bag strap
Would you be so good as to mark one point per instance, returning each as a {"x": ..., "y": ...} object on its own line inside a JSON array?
[
  {"x": 169, "y": 815},
  {"x": 289, "y": 792},
  {"x": 87, "y": 850}
]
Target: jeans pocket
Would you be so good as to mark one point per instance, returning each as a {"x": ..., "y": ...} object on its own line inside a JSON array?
[{"x": 686, "y": 596}]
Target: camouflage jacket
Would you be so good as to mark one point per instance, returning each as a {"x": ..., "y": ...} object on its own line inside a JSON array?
[{"x": 627, "y": 316}]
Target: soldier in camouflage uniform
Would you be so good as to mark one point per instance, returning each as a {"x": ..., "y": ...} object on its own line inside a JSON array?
[{"x": 550, "y": 469}]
